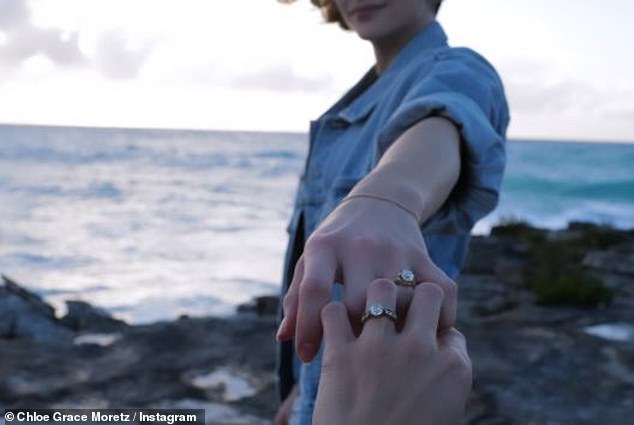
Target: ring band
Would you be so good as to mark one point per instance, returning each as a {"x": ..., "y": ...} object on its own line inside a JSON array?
[
  {"x": 405, "y": 278},
  {"x": 377, "y": 310}
]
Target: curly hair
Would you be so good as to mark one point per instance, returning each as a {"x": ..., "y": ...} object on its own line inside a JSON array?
[{"x": 331, "y": 14}]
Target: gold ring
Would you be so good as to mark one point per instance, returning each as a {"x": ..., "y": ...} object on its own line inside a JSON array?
[
  {"x": 377, "y": 310},
  {"x": 405, "y": 278}
]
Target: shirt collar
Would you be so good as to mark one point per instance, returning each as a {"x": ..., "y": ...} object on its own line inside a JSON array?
[{"x": 362, "y": 98}]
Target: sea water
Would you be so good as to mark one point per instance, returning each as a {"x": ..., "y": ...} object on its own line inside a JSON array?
[{"x": 152, "y": 224}]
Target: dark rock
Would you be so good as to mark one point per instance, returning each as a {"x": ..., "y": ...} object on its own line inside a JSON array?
[
  {"x": 147, "y": 365},
  {"x": 82, "y": 316},
  {"x": 34, "y": 301},
  {"x": 494, "y": 420},
  {"x": 585, "y": 226},
  {"x": 502, "y": 256},
  {"x": 495, "y": 305},
  {"x": 620, "y": 363},
  {"x": 617, "y": 260},
  {"x": 266, "y": 305},
  {"x": 513, "y": 271},
  {"x": 483, "y": 255},
  {"x": 24, "y": 314}
]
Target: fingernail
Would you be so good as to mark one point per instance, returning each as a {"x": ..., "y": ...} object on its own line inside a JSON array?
[
  {"x": 307, "y": 351},
  {"x": 281, "y": 330}
]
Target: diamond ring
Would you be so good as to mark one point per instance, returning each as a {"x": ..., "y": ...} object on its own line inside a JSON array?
[
  {"x": 377, "y": 310},
  {"x": 405, "y": 278}
]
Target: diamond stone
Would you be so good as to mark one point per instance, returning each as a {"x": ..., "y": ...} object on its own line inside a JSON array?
[
  {"x": 375, "y": 310},
  {"x": 407, "y": 275}
]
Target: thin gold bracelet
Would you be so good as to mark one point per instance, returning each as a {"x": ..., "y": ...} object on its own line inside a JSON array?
[{"x": 380, "y": 198}]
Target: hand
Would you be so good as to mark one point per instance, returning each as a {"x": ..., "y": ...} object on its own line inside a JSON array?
[
  {"x": 361, "y": 240},
  {"x": 283, "y": 415},
  {"x": 387, "y": 378}
]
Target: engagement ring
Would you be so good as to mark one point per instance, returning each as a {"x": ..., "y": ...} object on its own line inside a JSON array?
[
  {"x": 405, "y": 278},
  {"x": 377, "y": 310}
]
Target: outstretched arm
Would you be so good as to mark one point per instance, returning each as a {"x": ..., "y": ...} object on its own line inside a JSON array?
[{"x": 374, "y": 233}]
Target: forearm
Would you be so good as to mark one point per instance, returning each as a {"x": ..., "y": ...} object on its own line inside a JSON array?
[{"x": 419, "y": 170}]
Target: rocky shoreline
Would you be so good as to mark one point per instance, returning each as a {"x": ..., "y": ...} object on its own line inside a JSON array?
[{"x": 541, "y": 356}]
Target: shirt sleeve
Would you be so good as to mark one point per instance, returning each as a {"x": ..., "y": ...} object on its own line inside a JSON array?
[{"x": 463, "y": 87}]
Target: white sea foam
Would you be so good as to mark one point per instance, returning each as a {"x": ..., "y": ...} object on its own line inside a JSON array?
[
  {"x": 97, "y": 339},
  {"x": 622, "y": 332},
  {"x": 234, "y": 387}
]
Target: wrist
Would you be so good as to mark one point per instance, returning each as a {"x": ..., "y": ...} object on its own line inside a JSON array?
[
  {"x": 386, "y": 182},
  {"x": 384, "y": 199}
]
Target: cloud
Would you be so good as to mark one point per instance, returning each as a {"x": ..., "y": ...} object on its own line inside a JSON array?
[
  {"x": 569, "y": 97},
  {"x": 544, "y": 97},
  {"x": 60, "y": 47},
  {"x": 571, "y": 109},
  {"x": 281, "y": 77},
  {"x": 23, "y": 40},
  {"x": 538, "y": 88},
  {"x": 14, "y": 13},
  {"x": 116, "y": 59}
]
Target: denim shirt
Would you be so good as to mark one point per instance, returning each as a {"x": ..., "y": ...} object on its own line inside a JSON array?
[{"x": 427, "y": 78}]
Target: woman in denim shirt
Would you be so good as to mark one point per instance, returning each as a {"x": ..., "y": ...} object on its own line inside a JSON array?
[{"x": 398, "y": 172}]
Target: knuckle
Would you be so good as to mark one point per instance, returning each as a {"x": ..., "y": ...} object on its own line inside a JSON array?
[
  {"x": 333, "y": 308},
  {"x": 393, "y": 251},
  {"x": 455, "y": 359},
  {"x": 297, "y": 272},
  {"x": 365, "y": 244},
  {"x": 319, "y": 241},
  {"x": 313, "y": 286},
  {"x": 449, "y": 288},
  {"x": 452, "y": 290},
  {"x": 431, "y": 290},
  {"x": 385, "y": 287},
  {"x": 288, "y": 302}
]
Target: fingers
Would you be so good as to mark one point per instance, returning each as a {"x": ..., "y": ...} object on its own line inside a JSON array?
[
  {"x": 453, "y": 347},
  {"x": 314, "y": 293},
  {"x": 452, "y": 339},
  {"x": 427, "y": 271},
  {"x": 283, "y": 415},
  {"x": 424, "y": 312},
  {"x": 403, "y": 301},
  {"x": 357, "y": 277},
  {"x": 383, "y": 293},
  {"x": 286, "y": 330},
  {"x": 337, "y": 329}
]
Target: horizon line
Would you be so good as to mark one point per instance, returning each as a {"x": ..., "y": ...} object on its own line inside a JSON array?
[{"x": 528, "y": 139}]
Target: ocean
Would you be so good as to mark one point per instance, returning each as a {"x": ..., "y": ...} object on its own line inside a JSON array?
[{"x": 153, "y": 224}]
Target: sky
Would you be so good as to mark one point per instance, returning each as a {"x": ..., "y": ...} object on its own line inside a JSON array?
[{"x": 567, "y": 66}]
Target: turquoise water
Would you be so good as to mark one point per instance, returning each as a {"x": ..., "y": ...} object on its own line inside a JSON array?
[
  {"x": 151, "y": 224},
  {"x": 552, "y": 183}
]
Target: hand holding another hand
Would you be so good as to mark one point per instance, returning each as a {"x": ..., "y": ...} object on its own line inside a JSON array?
[
  {"x": 361, "y": 240},
  {"x": 416, "y": 377}
]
